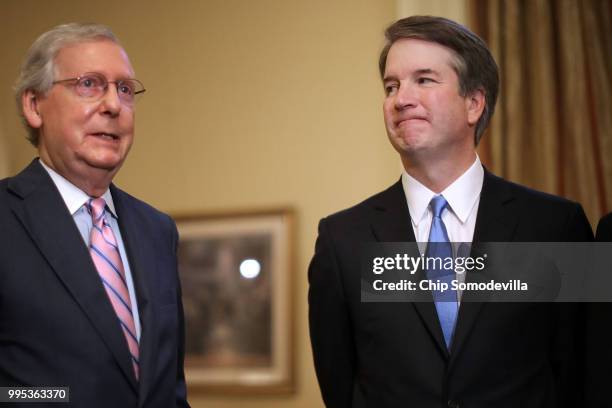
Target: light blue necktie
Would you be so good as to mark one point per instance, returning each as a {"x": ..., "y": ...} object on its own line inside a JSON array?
[{"x": 439, "y": 246}]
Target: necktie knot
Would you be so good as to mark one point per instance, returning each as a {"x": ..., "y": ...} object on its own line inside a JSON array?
[
  {"x": 96, "y": 208},
  {"x": 438, "y": 204}
]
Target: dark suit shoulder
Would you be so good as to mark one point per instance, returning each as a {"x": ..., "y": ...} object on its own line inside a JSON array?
[
  {"x": 135, "y": 204},
  {"x": 604, "y": 229},
  {"x": 534, "y": 215},
  {"x": 535, "y": 197},
  {"x": 4, "y": 187},
  {"x": 359, "y": 212},
  {"x": 4, "y": 194},
  {"x": 529, "y": 202}
]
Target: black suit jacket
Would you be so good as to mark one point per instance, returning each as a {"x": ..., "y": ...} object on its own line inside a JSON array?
[
  {"x": 599, "y": 335},
  {"x": 393, "y": 354},
  {"x": 604, "y": 229},
  {"x": 57, "y": 326}
]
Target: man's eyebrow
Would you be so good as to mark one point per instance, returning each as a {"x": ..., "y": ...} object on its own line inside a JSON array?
[
  {"x": 420, "y": 71},
  {"x": 425, "y": 71},
  {"x": 389, "y": 78}
]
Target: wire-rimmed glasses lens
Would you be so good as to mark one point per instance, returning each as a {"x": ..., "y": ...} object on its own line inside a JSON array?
[{"x": 93, "y": 85}]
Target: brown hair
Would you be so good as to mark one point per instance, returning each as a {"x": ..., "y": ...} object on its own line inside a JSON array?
[{"x": 473, "y": 61}]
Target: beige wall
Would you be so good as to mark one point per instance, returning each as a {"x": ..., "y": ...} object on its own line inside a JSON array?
[
  {"x": 4, "y": 154},
  {"x": 453, "y": 9},
  {"x": 250, "y": 104}
]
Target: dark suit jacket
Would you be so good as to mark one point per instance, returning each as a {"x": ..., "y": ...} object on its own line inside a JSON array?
[
  {"x": 57, "y": 326},
  {"x": 604, "y": 229},
  {"x": 599, "y": 335},
  {"x": 393, "y": 354}
]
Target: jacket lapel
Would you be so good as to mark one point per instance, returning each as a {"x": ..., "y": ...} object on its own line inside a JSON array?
[
  {"x": 392, "y": 223},
  {"x": 496, "y": 221},
  {"x": 139, "y": 252},
  {"x": 42, "y": 212}
]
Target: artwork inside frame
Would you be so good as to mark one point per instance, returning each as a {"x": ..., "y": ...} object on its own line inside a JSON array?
[{"x": 235, "y": 271}]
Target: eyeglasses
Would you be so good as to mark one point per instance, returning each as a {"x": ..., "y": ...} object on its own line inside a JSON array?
[{"x": 93, "y": 85}]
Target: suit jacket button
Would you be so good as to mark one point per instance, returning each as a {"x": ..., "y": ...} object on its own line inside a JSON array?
[{"x": 453, "y": 404}]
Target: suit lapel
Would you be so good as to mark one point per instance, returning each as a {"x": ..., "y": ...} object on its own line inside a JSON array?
[
  {"x": 139, "y": 251},
  {"x": 392, "y": 223},
  {"x": 44, "y": 215},
  {"x": 496, "y": 221}
]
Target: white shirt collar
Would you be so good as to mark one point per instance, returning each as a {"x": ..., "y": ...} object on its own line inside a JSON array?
[
  {"x": 73, "y": 196},
  {"x": 461, "y": 195}
]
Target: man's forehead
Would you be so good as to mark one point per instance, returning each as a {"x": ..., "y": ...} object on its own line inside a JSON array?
[
  {"x": 418, "y": 56},
  {"x": 96, "y": 55}
]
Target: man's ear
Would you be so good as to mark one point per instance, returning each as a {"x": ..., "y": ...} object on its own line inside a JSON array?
[
  {"x": 29, "y": 103},
  {"x": 475, "y": 105}
]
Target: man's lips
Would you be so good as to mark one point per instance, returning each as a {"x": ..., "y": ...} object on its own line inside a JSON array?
[
  {"x": 411, "y": 119},
  {"x": 105, "y": 135}
]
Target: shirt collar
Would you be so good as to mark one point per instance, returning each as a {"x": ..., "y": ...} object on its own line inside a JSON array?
[
  {"x": 74, "y": 197},
  {"x": 461, "y": 195}
]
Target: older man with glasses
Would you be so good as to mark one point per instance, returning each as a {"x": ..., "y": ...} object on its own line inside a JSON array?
[{"x": 89, "y": 292}]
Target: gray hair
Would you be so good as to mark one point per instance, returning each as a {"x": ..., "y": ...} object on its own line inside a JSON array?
[{"x": 38, "y": 69}]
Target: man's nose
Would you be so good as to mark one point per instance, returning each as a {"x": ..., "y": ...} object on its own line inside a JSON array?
[
  {"x": 406, "y": 97},
  {"x": 111, "y": 104}
]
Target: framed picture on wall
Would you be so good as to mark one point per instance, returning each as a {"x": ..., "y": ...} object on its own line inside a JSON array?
[{"x": 235, "y": 271}]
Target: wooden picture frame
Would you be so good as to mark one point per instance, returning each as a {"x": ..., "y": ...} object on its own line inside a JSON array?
[{"x": 235, "y": 269}]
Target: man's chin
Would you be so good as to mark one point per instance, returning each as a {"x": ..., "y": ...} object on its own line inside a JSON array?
[
  {"x": 106, "y": 164},
  {"x": 408, "y": 144}
]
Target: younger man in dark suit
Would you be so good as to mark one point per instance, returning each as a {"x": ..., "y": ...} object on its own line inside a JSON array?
[{"x": 441, "y": 85}]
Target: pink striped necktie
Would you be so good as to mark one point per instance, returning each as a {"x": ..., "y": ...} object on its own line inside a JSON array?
[{"x": 105, "y": 254}]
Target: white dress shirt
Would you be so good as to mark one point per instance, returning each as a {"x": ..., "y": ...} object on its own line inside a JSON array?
[
  {"x": 75, "y": 200},
  {"x": 463, "y": 197}
]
